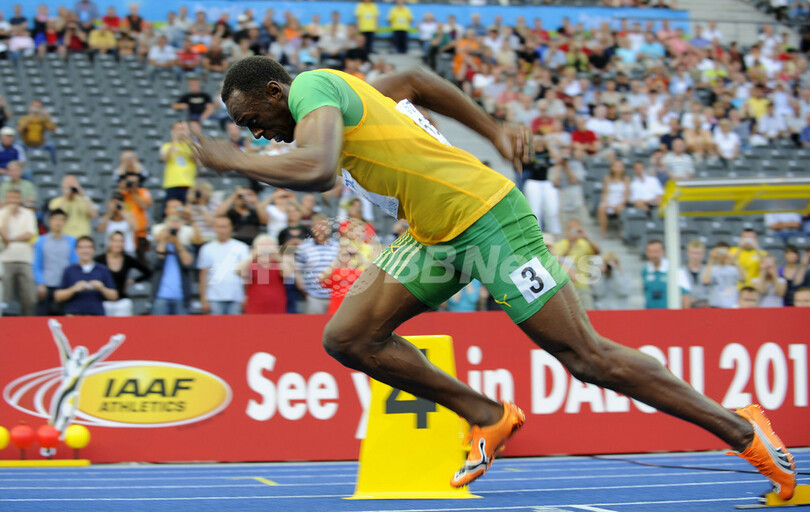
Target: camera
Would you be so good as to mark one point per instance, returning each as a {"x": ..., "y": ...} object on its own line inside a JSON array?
[
  {"x": 74, "y": 190},
  {"x": 198, "y": 194},
  {"x": 132, "y": 183},
  {"x": 173, "y": 231},
  {"x": 118, "y": 196}
]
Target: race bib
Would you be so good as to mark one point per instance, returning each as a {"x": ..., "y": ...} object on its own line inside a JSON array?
[
  {"x": 388, "y": 204},
  {"x": 407, "y": 108},
  {"x": 533, "y": 280}
]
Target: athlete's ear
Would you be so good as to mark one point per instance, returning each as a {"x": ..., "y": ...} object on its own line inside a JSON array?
[{"x": 273, "y": 90}]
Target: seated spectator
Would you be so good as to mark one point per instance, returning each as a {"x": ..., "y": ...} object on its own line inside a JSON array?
[
  {"x": 102, "y": 41},
  {"x": 188, "y": 59},
  {"x": 10, "y": 150},
  {"x": 727, "y": 142},
  {"x": 180, "y": 172},
  {"x": 20, "y": 45},
  {"x": 770, "y": 285},
  {"x": 49, "y": 41},
  {"x": 630, "y": 133},
  {"x": 672, "y": 135},
  {"x": 133, "y": 21},
  {"x": 722, "y": 276},
  {"x": 117, "y": 220},
  {"x": 247, "y": 218},
  {"x": 571, "y": 174},
  {"x": 770, "y": 125},
  {"x": 86, "y": 13},
  {"x": 311, "y": 257},
  {"x": 149, "y": 39},
  {"x": 203, "y": 209},
  {"x": 5, "y": 112},
  {"x": 86, "y": 284},
  {"x": 18, "y": 228},
  {"x": 577, "y": 250},
  {"x": 162, "y": 58},
  {"x": 646, "y": 191},
  {"x": 127, "y": 43},
  {"x": 654, "y": 278},
  {"x": 600, "y": 125},
  {"x": 615, "y": 195},
  {"x": 678, "y": 164},
  {"x": 584, "y": 141},
  {"x": 53, "y": 253},
  {"x": 263, "y": 276},
  {"x": 171, "y": 280},
  {"x": 201, "y": 30},
  {"x": 74, "y": 39},
  {"x": 196, "y": 102},
  {"x": 216, "y": 59},
  {"x": 111, "y": 19},
  {"x": 341, "y": 273},
  {"x": 79, "y": 208},
  {"x": 221, "y": 291},
  {"x": 33, "y": 127},
  {"x": 748, "y": 298},
  {"x": 784, "y": 225},
  {"x": 14, "y": 181},
  {"x": 794, "y": 271},
  {"x": 129, "y": 164},
  {"x": 119, "y": 264},
  {"x": 802, "y": 298},
  {"x": 748, "y": 255},
  {"x": 611, "y": 290},
  {"x": 804, "y": 136}
]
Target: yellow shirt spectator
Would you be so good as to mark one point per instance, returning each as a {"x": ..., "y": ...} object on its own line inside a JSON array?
[
  {"x": 102, "y": 39},
  {"x": 579, "y": 255},
  {"x": 749, "y": 260},
  {"x": 400, "y": 17},
  {"x": 758, "y": 106},
  {"x": 180, "y": 170},
  {"x": 367, "y": 16},
  {"x": 78, "y": 215},
  {"x": 32, "y": 128}
]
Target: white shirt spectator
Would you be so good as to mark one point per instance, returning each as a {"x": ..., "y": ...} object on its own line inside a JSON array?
[
  {"x": 678, "y": 167},
  {"x": 162, "y": 55},
  {"x": 727, "y": 143},
  {"x": 603, "y": 128},
  {"x": 224, "y": 285},
  {"x": 711, "y": 35},
  {"x": 277, "y": 220},
  {"x": 771, "y": 219},
  {"x": 645, "y": 189},
  {"x": 771, "y": 125}
]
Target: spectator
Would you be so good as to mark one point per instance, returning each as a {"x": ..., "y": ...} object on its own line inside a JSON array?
[
  {"x": 216, "y": 59},
  {"x": 748, "y": 298},
  {"x": 615, "y": 194},
  {"x": 367, "y": 17},
  {"x": 130, "y": 164},
  {"x": 188, "y": 59},
  {"x": 203, "y": 209},
  {"x": 162, "y": 57},
  {"x": 469, "y": 299},
  {"x": 770, "y": 125},
  {"x": 53, "y": 253},
  {"x": 584, "y": 140},
  {"x": 74, "y": 39},
  {"x": 341, "y": 274},
  {"x": 14, "y": 181},
  {"x": 748, "y": 255},
  {"x": 727, "y": 142},
  {"x": 221, "y": 291},
  {"x": 196, "y": 102},
  {"x": 611, "y": 290},
  {"x": 49, "y": 41},
  {"x": 722, "y": 275},
  {"x": 188, "y": 231},
  {"x": 678, "y": 164},
  {"x": 312, "y": 257},
  {"x": 86, "y": 284},
  {"x": 136, "y": 200},
  {"x": 646, "y": 191},
  {"x": 654, "y": 278},
  {"x": 10, "y": 150},
  {"x": 263, "y": 276},
  {"x": 295, "y": 227},
  {"x": 770, "y": 285},
  {"x": 111, "y": 19},
  {"x": 171, "y": 280},
  {"x": 18, "y": 20},
  {"x": 247, "y": 217},
  {"x": 21, "y": 44},
  {"x": 692, "y": 274},
  {"x": 794, "y": 271},
  {"x": 802, "y": 298},
  {"x": 672, "y": 135},
  {"x": 784, "y": 225},
  {"x": 400, "y": 19},
  {"x": 78, "y": 207},
  {"x": 102, "y": 41},
  {"x": 87, "y": 12},
  {"x": 5, "y": 113},
  {"x": 133, "y": 20},
  {"x": 33, "y": 127},
  {"x": 120, "y": 264},
  {"x": 180, "y": 172},
  {"x": 571, "y": 173},
  {"x": 18, "y": 227},
  {"x": 541, "y": 188},
  {"x": 578, "y": 249},
  {"x": 630, "y": 133},
  {"x": 602, "y": 126}
]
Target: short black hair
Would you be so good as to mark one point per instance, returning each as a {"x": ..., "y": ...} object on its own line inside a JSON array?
[
  {"x": 749, "y": 289},
  {"x": 57, "y": 211},
  {"x": 86, "y": 238},
  {"x": 252, "y": 74},
  {"x": 654, "y": 241}
]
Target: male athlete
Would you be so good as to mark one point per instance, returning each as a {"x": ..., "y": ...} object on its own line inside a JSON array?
[{"x": 455, "y": 206}]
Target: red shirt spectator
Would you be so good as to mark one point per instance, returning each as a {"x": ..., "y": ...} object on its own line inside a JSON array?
[
  {"x": 340, "y": 281},
  {"x": 264, "y": 290}
]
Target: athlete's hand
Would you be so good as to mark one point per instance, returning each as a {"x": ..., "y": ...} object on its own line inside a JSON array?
[
  {"x": 219, "y": 155},
  {"x": 516, "y": 144}
]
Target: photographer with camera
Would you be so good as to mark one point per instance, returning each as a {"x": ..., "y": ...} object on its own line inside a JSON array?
[
  {"x": 247, "y": 216},
  {"x": 748, "y": 255},
  {"x": 612, "y": 289},
  {"x": 203, "y": 209},
  {"x": 171, "y": 280},
  {"x": 188, "y": 231},
  {"x": 722, "y": 275},
  {"x": 78, "y": 207},
  {"x": 130, "y": 164},
  {"x": 118, "y": 219},
  {"x": 33, "y": 127},
  {"x": 136, "y": 200}
]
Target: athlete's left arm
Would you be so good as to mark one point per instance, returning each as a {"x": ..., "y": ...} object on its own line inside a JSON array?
[{"x": 312, "y": 166}]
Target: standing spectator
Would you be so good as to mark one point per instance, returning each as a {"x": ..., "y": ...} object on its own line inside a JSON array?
[
  {"x": 246, "y": 216},
  {"x": 33, "y": 127},
  {"x": 53, "y": 253},
  {"x": 117, "y": 220},
  {"x": 312, "y": 257},
  {"x": 171, "y": 281},
  {"x": 400, "y": 19},
  {"x": 78, "y": 207},
  {"x": 295, "y": 226},
  {"x": 119, "y": 264},
  {"x": 654, "y": 278},
  {"x": 579, "y": 249},
  {"x": 722, "y": 276},
  {"x": 572, "y": 174},
  {"x": 645, "y": 190},
  {"x": 794, "y": 271},
  {"x": 612, "y": 289},
  {"x": 10, "y": 150},
  {"x": 541, "y": 188},
  {"x": 678, "y": 164},
  {"x": 196, "y": 102},
  {"x": 203, "y": 209},
  {"x": 263, "y": 276},
  {"x": 188, "y": 231},
  {"x": 341, "y": 274},
  {"x": 221, "y": 291},
  {"x": 14, "y": 180},
  {"x": 748, "y": 298},
  {"x": 367, "y": 17},
  {"x": 770, "y": 285},
  {"x": 802, "y": 298},
  {"x": 692, "y": 274},
  {"x": 18, "y": 227},
  {"x": 130, "y": 164},
  {"x": 102, "y": 41},
  {"x": 162, "y": 57},
  {"x": 180, "y": 171},
  {"x": 86, "y": 284},
  {"x": 87, "y": 12},
  {"x": 615, "y": 194},
  {"x": 748, "y": 255},
  {"x": 784, "y": 225},
  {"x": 136, "y": 200}
]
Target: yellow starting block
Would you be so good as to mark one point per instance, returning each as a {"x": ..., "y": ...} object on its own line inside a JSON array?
[
  {"x": 412, "y": 446},
  {"x": 801, "y": 497}
]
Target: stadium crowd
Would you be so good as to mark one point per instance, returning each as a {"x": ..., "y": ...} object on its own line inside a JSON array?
[{"x": 626, "y": 108}]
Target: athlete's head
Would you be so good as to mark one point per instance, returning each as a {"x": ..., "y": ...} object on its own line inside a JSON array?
[
  {"x": 79, "y": 353},
  {"x": 255, "y": 94}
]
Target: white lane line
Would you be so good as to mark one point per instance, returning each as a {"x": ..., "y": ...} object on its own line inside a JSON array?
[
  {"x": 610, "y": 487},
  {"x": 592, "y": 509}
]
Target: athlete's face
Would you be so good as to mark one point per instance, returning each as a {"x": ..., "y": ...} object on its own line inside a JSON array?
[{"x": 265, "y": 115}]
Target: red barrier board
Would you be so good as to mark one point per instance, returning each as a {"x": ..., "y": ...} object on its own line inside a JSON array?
[{"x": 253, "y": 388}]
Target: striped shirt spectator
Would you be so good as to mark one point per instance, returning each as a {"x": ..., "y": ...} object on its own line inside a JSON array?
[{"x": 312, "y": 257}]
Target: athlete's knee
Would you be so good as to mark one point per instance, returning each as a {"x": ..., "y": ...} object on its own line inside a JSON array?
[
  {"x": 595, "y": 365},
  {"x": 344, "y": 343}
]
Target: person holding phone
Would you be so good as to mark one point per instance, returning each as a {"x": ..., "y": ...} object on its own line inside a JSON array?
[{"x": 171, "y": 280}]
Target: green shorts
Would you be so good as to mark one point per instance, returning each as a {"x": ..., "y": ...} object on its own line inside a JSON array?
[{"x": 504, "y": 249}]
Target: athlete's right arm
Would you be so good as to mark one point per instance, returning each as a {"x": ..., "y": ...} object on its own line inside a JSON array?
[{"x": 430, "y": 91}]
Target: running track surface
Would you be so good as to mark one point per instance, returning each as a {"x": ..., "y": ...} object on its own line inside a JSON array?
[{"x": 569, "y": 484}]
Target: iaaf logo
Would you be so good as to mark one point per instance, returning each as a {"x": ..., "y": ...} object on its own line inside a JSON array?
[{"x": 143, "y": 394}]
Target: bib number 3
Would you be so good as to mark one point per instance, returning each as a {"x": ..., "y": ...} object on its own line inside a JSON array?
[{"x": 532, "y": 280}]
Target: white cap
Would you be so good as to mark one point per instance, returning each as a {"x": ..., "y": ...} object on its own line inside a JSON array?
[{"x": 8, "y": 131}]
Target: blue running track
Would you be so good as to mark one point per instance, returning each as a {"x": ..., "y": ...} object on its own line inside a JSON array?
[{"x": 569, "y": 484}]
